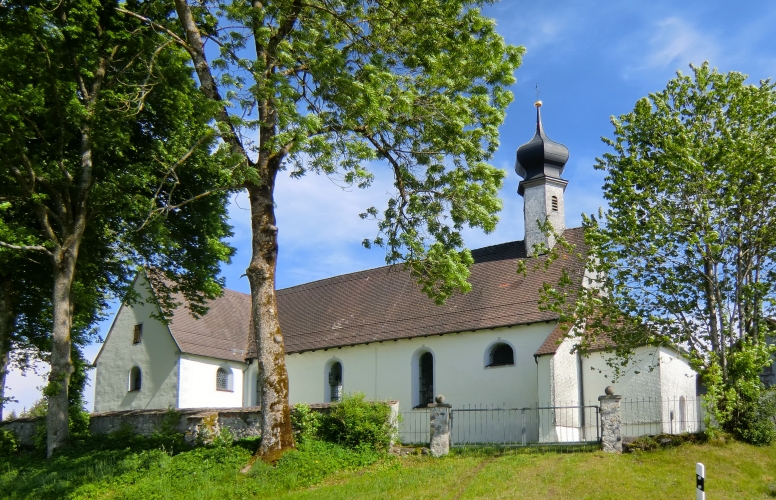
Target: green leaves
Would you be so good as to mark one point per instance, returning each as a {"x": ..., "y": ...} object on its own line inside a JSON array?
[
  {"x": 347, "y": 87},
  {"x": 686, "y": 253}
]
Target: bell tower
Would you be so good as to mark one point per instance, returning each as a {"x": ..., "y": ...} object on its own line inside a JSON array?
[{"x": 540, "y": 163}]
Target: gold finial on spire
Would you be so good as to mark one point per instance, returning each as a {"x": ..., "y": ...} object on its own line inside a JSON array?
[{"x": 538, "y": 103}]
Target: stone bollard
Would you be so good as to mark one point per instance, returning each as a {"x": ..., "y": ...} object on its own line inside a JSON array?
[
  {"x": 611, "y": 421},
  {"x": 440, "y": 427}
]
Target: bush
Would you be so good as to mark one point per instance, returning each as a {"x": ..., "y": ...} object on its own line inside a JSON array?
[
  {"x": 756, "y": 420},
  {"x": 8, "y": 443},
  {"x": 306, "y": 422},
  {"x": 357, "y": 423}
]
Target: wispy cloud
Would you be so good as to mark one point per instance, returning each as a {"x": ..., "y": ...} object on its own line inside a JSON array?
[{"x": 669, "y": 43}]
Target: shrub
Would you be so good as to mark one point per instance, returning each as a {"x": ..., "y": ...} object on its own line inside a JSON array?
[
  {"x": 357, "y": 423},
  {"x": 306, "y": 422},
  {"x": 755, "y": 421},
  {"x": 8, "y": 443}
]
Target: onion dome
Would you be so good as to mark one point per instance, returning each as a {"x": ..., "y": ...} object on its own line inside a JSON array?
[{"x": 541, "y": 156}]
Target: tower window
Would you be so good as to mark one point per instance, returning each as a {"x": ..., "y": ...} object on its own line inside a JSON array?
[
  {"x": 135, "y": 379},
  {"x": 501, "y": 355},
  {"x": 138, "y": 334},
  {"x": 224, "y": 379},
  {"x": 554, "y": 202}
]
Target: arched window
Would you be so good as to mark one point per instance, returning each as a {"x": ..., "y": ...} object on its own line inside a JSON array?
[
  {"x": 135, "y": 379},
  {"x": 224, "y": 379},
  {"x": 335, "y": 382},
  {"x": 501, "y": 355},
  {"x": 554, "y": 201},
  {"x": 426, "y": 382},
  {"x": 682, "y": 414}
]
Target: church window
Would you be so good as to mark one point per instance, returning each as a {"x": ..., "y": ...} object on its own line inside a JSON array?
[
  {"x": 426, "y": 382},
  {"x": 224, "y": 379},
  {"x": 135, "y": 379},
  {"x": 335, "y": 382},
  {"x": 554, "y": 201},
  {"x": 138, "y": 334},
  {"x": 501, "y": 355}
]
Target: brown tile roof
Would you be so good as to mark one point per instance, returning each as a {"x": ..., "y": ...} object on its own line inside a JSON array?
[
  {"x": 221, "y": 333},
  {"x": 382, "y": 304}
]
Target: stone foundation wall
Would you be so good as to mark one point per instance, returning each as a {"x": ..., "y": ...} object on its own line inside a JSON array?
[
  {"x": 23, "y": 428},
  {"x": 198, "y": 425}
]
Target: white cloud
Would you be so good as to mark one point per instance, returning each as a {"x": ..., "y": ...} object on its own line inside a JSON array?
[{"x": 670, "y": 43}]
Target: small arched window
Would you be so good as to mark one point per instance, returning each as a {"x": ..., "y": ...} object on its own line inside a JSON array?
[
  {"x": 426, "y": 382},
  {"x": 335, "y": 382},
  {"x": 135, "y": 379},
  {"x": 501, "y": 355},
  {"x": 554, "y": 201},
  {"x": 224, "y": 379}
]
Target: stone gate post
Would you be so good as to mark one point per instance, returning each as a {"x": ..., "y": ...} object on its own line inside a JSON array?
[
  {"x": 611, "y": 421},
  {"x": 440, "y": 427}
]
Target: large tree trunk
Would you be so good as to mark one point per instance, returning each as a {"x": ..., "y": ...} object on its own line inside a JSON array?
[
  {"x": 7, "y": 321},
  {"x": 57, "y": 418},
  {"x": 276, "y": 433}
]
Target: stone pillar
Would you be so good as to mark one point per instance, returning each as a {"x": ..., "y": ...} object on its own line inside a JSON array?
[
  {"x": 440, "y": 427},
  {"x": 611, "y": 421}
]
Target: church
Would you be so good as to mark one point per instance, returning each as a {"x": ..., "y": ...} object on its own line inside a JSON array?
[{"x": 375, "y": 332}]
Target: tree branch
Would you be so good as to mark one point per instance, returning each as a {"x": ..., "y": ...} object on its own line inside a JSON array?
[
  {"x": 26, "y": 248},
  {"x": 154, "y": 25}
]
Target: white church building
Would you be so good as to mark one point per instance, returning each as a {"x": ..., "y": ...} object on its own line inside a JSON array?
[{"x": 375, "y": 332}]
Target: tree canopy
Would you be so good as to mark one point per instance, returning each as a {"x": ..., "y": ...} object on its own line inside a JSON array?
[
  {"x": 106, "y": 157},
  {"x": 685, "y": 255},
  {"x": 340, "y": 87}
]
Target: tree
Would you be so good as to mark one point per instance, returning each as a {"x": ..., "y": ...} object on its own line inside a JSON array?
[
  {"x": 686, "y": 252},
  {"x": 107, "y": 146},
  {"x": 331, "y": 86}
]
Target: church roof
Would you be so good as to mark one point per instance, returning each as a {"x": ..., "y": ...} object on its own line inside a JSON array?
[{"x": 380, "y": 305}]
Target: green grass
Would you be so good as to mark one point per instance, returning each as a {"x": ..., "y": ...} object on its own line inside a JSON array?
[{"x": 140, "y": 468}]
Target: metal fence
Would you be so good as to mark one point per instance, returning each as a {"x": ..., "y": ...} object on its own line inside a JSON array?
[
  {"x": 477, "y": 425},
  {"x": 652, "y": 416}
]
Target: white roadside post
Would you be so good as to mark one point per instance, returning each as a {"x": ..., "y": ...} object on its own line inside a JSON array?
[{"x": 700, "y": 482}]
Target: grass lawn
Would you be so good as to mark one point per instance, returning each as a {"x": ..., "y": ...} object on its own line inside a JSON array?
[
  {"x": 142, "y": 469},
  {"x": 734, "y": 471}
]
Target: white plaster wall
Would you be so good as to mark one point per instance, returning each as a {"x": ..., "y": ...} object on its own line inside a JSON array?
[
  {"x": 251, "y": 386},
  {"x": 566, "y": 375},
  {"x": 677, "y": 380},
  {"x": 538, "y": 206},
  {"x": 385, "y": 370},
  {"x": 156, "y": 356},
  {"x": 198, "y": 383},
  {"x": 641, "y": 379},
  {"x": 650, "y": 386}
]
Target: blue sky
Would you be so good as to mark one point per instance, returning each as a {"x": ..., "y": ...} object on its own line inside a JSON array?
[{"x": 591, "y": 60}]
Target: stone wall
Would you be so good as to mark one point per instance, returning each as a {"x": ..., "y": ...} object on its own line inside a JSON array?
[
  {"x": 197, "y": 425},
  {"x": 23, "y": 428}
]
